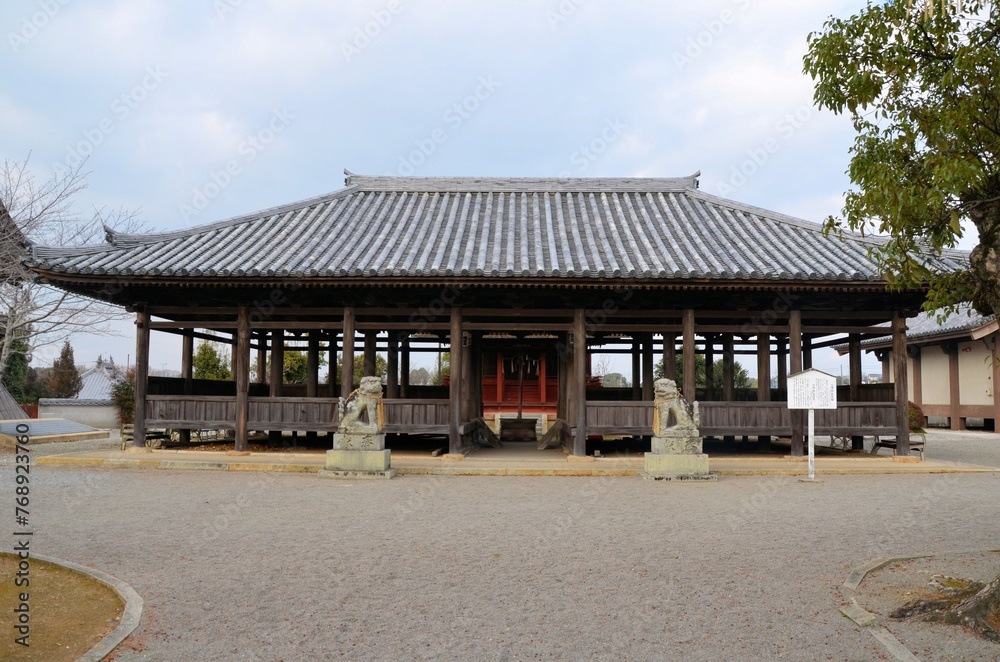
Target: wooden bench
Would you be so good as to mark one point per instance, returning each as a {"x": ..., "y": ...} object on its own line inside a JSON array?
[{"x": 917, "y": 442}]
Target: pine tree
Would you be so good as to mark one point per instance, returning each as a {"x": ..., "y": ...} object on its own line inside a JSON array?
[{"x": 65, "y": 381}]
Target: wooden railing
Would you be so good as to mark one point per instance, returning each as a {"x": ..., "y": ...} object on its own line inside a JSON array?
[
  {"x": 191, "y": 411},
  {"x": 745, "y": 418},
  {"x": 416, "y": 416},
  {"x": 303, "y": 414}
]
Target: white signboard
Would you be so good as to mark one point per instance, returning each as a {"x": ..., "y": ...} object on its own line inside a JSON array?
[{"x": 812, "y": 389}]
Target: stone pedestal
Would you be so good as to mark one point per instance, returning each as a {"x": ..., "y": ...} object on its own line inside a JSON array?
[
  {"x": 677, "y": 457},
  {"x": 358, "y": 455}
]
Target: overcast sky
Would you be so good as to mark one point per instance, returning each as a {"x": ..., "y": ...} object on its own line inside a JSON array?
[{"x": 195, "y": 112}]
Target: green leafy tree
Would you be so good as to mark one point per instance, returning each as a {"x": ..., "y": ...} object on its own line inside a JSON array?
[
  {"x": 297, "y": 366},
  {"x": 16, "y": 374},
  {"x": 123, "y": 396},
  {"x": 209, "y": 362},
  {"x": 381, "y": 367},
  {"x": 65, "y": 380},
  {"x": 741, "y": 378},
  {"x": 442, "y": 369},
  {"x": 921, "y": 84}
]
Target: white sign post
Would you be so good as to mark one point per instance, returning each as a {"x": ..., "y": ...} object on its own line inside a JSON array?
[{"x": 812, "y": 389}]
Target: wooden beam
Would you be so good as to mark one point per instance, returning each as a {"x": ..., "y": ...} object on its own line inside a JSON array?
[
  {"x": 670, "y": 356},
  {"x": 392, "y": 368},
  {"x": 455, "y": 383},
  {"x": 728, "y": 369},
  {"x": 370, "y": 352},
  {"x": 795, "y": 366},
  {"x": 580, "y": 381},
  {"x": 404, "y": 364},
  {"x": 688, "y": 390},
  {"x": 899, "y": 364},
  {"x": 141, "y": 378},
  {"x": 312, "y": 365},
  {"x": 242, "y": 379},
  {"x": 647, "y": 366},
  {"x": 347, "y": 362},
  {"x": 277, "y": 363}
]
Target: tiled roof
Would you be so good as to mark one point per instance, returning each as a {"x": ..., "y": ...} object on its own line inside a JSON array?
[
  {"x": 9, "y": 409},
  {"x": 490, "y": 228},
  {"x": 926, "y": 326}
]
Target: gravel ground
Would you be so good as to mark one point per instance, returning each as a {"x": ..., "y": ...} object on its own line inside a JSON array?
[{"x": 287, "y": 567}]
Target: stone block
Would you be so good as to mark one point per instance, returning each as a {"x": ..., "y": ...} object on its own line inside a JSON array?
[
  {"x": 676, "y": 465},
  {"x": 347, "y": 460},
  {"x": 683, "y": 444},
  {"x": 359, "y": 441}
]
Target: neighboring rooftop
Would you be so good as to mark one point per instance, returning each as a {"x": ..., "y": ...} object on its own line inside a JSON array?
[
  {"x": 9, "y": 409},
  {"x": 97, "y": 383},
  {"x": 489, "y": 228},
  {"x": 964, "y": 321}
]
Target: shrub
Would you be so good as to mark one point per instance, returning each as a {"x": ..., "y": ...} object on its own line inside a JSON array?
[{"x": 917, "y": 418}]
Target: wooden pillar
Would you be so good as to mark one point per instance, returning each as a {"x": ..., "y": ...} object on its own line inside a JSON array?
[
  {"x": 141, "y": 377},
  {"x": 187, "y": 373},
  {"x": 807, "y": 352},
  {"x": 277, "y": 363},
  {"x": 371, "y": 337},
  {"x": 795, "y": 365},
  {"x": 392, "y": 367},
  {"x": 688, "y": 355},
  {"x": 242, "y": 379},
  {"x": 467, "y": 380},
  {"x": 886, "y": 367},
  {"x": 564, "y": 354},
  {"x": 347, "y": 350},
  {"x": 728, "y": 368},
  {"x": 709, "y": 368},
  {"x": 262, "y": 357},
  {"x": 475, "y": 358},
  {"x": 331, "y": 362},
  {"x": 312, "y": 365},
  {"x": 856, "y": 378},
  {"x": 670, "y": 356},
  {"x": 647, "y": 366},
  {"x": 455, "y": 384},
  {"x": 579, "y": 382},
  {"x": 902, "y": 405},
  {"x": 918, "y": 378},
  {"x": 636, "y": 368},
  {"x": 543, "y": 382},
  {"x": 854, "y": 365},
  {"x": 277, "y": 377},
  {"x": 763, "y": 379},
  {"x": 954, "y": 390},
  {"x": 782, "y": 359},
  {"x": 404, "y": 365},
  {"x": 500, "y": 376}
]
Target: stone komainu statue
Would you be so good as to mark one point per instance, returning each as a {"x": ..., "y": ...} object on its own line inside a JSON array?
[
  {"x": 365, "y": 402},
  {"x": 671, "y": 413}
]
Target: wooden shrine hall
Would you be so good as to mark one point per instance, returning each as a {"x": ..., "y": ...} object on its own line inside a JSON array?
[{"x": 489, "y": 269}]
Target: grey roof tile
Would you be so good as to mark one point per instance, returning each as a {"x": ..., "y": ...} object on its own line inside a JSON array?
[{"x": 490, "y": 228}]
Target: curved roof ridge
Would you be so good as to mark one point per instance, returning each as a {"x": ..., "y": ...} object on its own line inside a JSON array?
[
  {"x": 121, "y": 239},
  {"x": 521, "y": 184}
]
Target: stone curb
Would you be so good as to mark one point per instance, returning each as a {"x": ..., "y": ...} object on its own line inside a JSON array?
[
  {"x": 452, "y": 468},
  {"x": 131, "y": 615},
  {"x": 869, "y": 621}
]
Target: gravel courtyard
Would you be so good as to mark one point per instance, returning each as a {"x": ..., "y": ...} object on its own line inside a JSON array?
[{"x": 289, "y": 567}]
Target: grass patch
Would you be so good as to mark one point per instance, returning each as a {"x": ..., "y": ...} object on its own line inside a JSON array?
[{"x": 70, "y": 611}]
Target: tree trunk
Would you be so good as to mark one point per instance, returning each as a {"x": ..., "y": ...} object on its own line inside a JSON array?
[
  {"x": 981, "y": 612},
  {"x": 984, "y": 261}
]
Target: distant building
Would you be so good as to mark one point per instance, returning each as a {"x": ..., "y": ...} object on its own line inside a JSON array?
[
  {"x": 9, "y": 409},
  {"x": 952, "y": 365},
  {"x": 92, "y": 405}
]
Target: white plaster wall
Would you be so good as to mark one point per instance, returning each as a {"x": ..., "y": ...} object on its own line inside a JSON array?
[
  {"x": 934, "y": 376},
  {"x": 96, "y": 416},
  {"x": 975, "y": 374}
]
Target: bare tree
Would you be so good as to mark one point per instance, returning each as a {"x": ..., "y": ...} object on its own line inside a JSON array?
[{"x": 34, "y": 212}]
